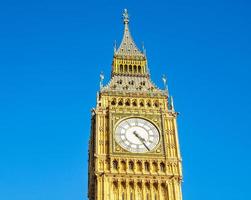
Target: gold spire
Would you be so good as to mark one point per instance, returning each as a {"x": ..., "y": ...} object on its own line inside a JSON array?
[
  {"x": 128, "y": 46},
  {"x": 128, "y": 60}
]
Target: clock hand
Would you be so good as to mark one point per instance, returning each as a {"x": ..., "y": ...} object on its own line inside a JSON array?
[
  {"x": 146, "y": 146},
  {"x": 137, "y": 135},
  {"x": 141, "y": 139}
]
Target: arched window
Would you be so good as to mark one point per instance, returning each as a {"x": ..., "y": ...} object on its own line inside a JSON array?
[
  {"x": 121, "y": 68},
  {"x": 156, "y": 104},
  {"x": 127, "y": 103},
  {"x": 123, "y": 165},
  {"x": 130, "y": 68},
  {"x": 162, "y": 167},
  {"x": 120, "y": 102},
  {"x": 126, "y": 68},
  {"x": 147, "y": 167},
  {"x": 134, "y": 103},
  {"x": 119, "y": 82},
  {"x": 113, "y": 102},
  {"x": 135, "y": 69},
  {"x": 115, "y": 164},
  {"x": 141, "y": 103},
  {"x": 131, "y": 165},
  {"x": 155, "y": 167},
  {"x": 143, "y": 83},
  {"x": 139, "y": 69},
  {"x": 131, "y": 82},
  {"x": 139, "y": 166}
]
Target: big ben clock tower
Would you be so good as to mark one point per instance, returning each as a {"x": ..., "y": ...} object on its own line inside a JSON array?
[{"x": 134, "y": 150}]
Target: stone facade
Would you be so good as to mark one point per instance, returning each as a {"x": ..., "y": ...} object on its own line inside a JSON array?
[{"x": 114, "y": 172}]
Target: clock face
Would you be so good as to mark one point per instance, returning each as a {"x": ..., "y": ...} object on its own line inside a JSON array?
[{"x": 137, "y": 135}]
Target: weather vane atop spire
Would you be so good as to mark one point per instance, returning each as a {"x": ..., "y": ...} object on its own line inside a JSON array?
[{"x": 126, "y": 16}]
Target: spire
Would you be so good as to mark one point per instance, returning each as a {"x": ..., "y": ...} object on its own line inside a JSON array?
[{"x": 128, "y": 46}]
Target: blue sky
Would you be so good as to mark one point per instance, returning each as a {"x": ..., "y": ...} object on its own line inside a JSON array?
[{"x": 51, "y": 54}]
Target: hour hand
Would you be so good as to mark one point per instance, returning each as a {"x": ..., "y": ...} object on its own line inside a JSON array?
[
  {"x": 141, "y": 139},
  {"x": 137, "y": 135}
]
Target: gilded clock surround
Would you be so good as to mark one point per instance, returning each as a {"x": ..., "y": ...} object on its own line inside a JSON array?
[{"x": 114, "y": 172}]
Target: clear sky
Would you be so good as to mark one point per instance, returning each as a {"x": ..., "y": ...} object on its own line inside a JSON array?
[{"x": 51, "y": 54}]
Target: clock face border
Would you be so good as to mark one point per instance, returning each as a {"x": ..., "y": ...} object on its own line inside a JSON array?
[{"x": 135, "y": 150}]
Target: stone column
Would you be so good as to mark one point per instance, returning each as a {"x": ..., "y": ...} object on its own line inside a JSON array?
[
  {"x": 119, "y": 190},
  {"x": 151, "y": 190},
  {"x": 143, "y": 190},
  {"x": 134, "y": 190},
  {"x": 127, "y": 190},
  {"x": 169, "y": 189},
  {"x": 159, "y": 191}
]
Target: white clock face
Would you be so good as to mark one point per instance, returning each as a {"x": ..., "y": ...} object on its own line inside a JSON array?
[{"x": 137, "y": 135}]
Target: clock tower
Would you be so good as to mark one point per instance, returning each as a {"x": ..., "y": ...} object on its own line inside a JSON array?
[{"x": 134, "y": 150}]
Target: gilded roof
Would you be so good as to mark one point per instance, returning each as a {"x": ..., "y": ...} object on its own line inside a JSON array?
[
  {"x": 131, "y": 84},
  {"x": 128, "y": 46}
]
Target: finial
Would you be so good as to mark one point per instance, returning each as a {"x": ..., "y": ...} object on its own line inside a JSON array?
[
  {"x": 126, "y": 16},
  {"x": 165, "y": 82},
  {"x": 115, "y": 46},
  {"x": 171, "y": 104},
  {"x": 143, "y": 48},
  {"x": 101, "y": 80},
  {"x": 97, "y": 102}
]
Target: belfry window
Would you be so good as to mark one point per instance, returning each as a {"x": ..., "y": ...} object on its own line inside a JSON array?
[
  {"x": 125, "y": 68},
  {"x": 139, "y": 69},
  {"x": 135, "y": 69},
  {"x": 130, "y": 68}
]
